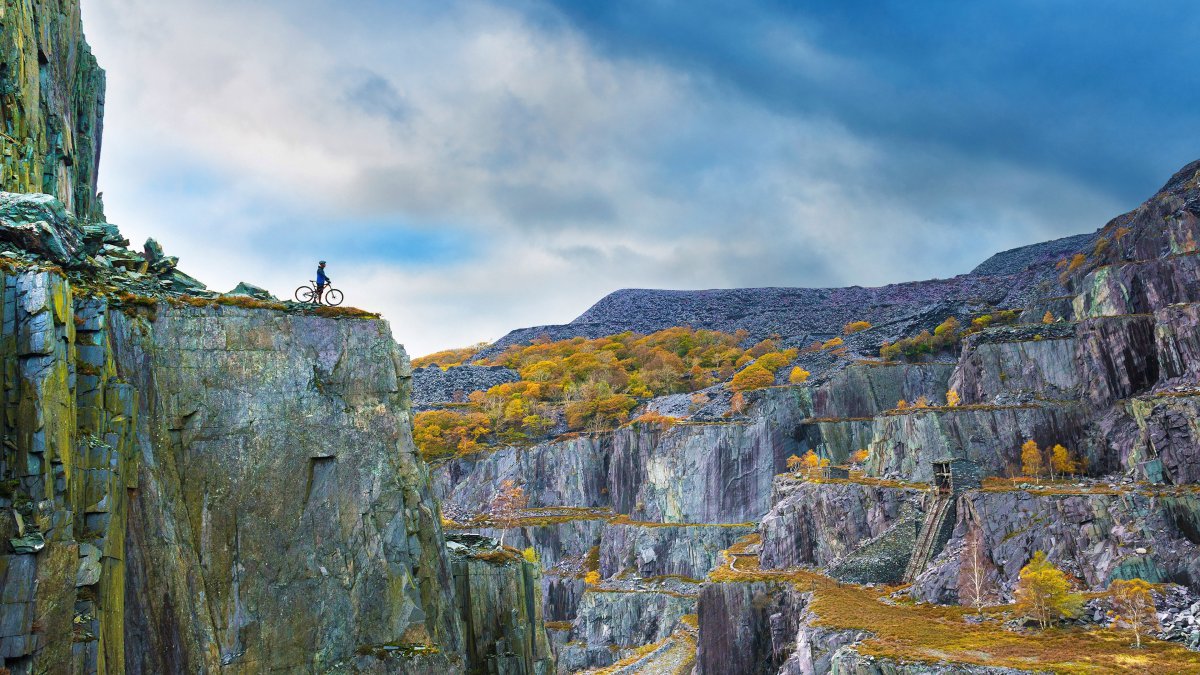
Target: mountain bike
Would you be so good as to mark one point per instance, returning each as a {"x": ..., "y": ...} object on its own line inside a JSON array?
[{"x": 330, "y": 296}]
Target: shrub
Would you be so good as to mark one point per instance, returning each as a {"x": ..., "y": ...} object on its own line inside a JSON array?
[
  {"x": 952, "y": 399},
  {"x": 773, "y": 361},
  {"x": 1044, "y": 593},
  {"x": 861, "y": 456},
  {"x": 798, "y": 375},
  {"x": 656, "y": 419},
  {"x": 855, "y": 327},
  {"x": 449, "y": 357},
  {"x": 1077, "y": 261},
  {"x": 832, "y": 342},
  {"x": 901, "y": 404},
  {"x": 1047, "y": 317},
  {"x": 531, "y": 555},
  {"x": 439, "y": 433},
  {"x": 592, "y": 578},
  {"x": 922, "y": 402},
  {"x": 753, "y": 376}
]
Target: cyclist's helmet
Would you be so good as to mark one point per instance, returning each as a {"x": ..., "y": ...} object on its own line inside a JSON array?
[{"x": 322, "y": 262}]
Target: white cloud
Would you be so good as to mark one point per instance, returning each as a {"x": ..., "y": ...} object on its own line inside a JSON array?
[{"x": 571, "y": 173}]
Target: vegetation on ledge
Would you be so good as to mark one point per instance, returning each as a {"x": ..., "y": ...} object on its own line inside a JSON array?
[{"x": 592, "y": 384}]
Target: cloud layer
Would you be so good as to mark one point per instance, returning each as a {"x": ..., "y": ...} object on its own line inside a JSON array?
[{"x": 473, "y": 167}]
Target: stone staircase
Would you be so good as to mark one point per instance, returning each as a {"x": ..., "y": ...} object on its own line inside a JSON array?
[{"x": 930, "y": 540}]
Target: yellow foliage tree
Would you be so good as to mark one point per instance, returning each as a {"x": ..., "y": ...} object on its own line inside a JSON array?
[
  {"x": 1044, "y": 593},
  {"x": 1061, "y": 461},
  {"x": 798, "y": 375},
  {"x": 901, "y": 404},
  {"x": 860, "y": 456},
  {"x": 773, "y": 361},
  {"x": 1047, "y": 317},
  {"x": 815, "y": 466},
  {"x": 855, "y": 327},
  {"x": 922, "y": 402},
  {"x": 1031, "y": 459},
  {"x": 952, "y": 399},
  {"x": 1077, "y": 261},
  {"x": 752, "y": 376},
  {"x": 592, "y": 578},
  {"x": 832, "y": 342},
  {"x": 794, "y": 463},
  {"x": 1133, "y": 608}
]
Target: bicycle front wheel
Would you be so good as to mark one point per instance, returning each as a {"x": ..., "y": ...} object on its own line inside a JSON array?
[
  {"x": 333, "y": 297},
  {"x": 304, "y": 294}
]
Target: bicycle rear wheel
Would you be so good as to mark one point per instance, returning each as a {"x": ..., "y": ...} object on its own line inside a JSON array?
[
  {"x": 333, "y": 297},
  {"x": 304, "y": 294}
]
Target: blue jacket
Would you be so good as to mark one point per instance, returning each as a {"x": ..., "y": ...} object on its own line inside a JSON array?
[{"x": 321, "y": 278}]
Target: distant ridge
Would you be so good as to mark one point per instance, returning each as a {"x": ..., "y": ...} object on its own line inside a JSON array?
[{"x": 1016, "y": 278}]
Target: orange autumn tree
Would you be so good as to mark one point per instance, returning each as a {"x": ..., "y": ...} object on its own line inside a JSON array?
[
  {"x": 855, "y": 327},
  {"x": 1031, "y": 459},
  {"x": 1061, "y": 462},
  {"x": 952, "y": 399},
  {"x": 798, "y": 375},
  {"x": 794, "y": 463},
  {"x": 753, "y": 376},
  {"x": 507, "y": 505}
]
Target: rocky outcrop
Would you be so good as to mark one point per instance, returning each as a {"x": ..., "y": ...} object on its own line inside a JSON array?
[
  {"x": 995, "y": 370},
  {"x": 499, "y": 596},
  {"x": 706, "y": 473},
  {"x": 572, "y": 472},
  {"x": 278, "y": 468},
  {"x": 866, "y": 390},
  {"x": 51, "y": 105},
  {"x": 907, "y": 443},
  {"x": 1096, "y": 537},
  {"x": 816, "y": 524},
  {"x": 1168, "y": 437},
  {"x": 748, "y": 627},
  {"x": 194, "y": 489},
  {"x": 611, "y": 621},
  {"x": 655, "y": 549}
]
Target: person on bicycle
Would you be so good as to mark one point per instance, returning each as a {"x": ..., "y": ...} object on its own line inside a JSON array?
[{"x": 322, "y": 281}]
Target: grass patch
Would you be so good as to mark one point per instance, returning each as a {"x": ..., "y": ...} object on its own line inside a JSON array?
[
  {"x": 623, "y": 519},
  {"x": 933, "y": 633}
]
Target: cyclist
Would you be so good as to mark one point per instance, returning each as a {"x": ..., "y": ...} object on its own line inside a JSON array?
[{"x": 322, "y": 281}]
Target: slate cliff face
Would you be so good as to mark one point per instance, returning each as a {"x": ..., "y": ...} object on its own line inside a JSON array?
[
  {"x": 198, "y": 489},
  {"x": 281, "y": 468},
  {"x": 51, "y": 105}
]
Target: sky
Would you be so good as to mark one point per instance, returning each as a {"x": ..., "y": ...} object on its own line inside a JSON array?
[{"x": 472, "y": 167}]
